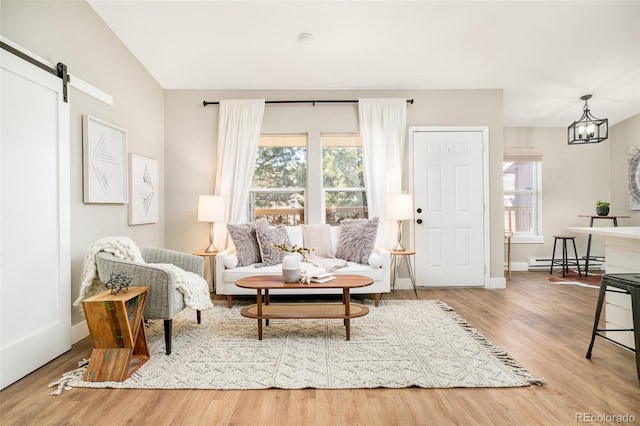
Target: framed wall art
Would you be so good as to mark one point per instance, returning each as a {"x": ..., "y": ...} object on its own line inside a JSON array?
[
  {"x": 104, "y": 162},
  {"x": 144, "y": 202},
  {"x": 634, "y": 177}
]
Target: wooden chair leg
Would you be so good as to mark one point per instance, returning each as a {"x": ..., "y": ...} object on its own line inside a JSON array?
[{"x": 168, "y": 326}]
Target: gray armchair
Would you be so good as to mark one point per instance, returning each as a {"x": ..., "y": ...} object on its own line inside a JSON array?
[{"x": 164, "y": 300}]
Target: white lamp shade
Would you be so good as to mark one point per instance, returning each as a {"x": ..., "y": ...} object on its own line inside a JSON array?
[
  {"x": 399, "y": 206},
  {"x": 211, "y": 208}
]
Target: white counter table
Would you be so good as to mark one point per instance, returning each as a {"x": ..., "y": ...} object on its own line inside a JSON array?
[
  {"x": 622, "y": 255},
  {"x": 630, "y": 232}
]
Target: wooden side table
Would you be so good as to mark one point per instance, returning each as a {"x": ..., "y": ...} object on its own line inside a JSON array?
[
  {"x": 212, "y": 265},
  {"x": 588, "y": 257},
  {"x": 116, "y": 324},
  {"x": 395, "y": 258},
  {"x": 507, "y": 236}
]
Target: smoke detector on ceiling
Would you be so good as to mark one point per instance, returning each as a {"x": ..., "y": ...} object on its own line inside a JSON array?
[{"x": 305, "y": 38}]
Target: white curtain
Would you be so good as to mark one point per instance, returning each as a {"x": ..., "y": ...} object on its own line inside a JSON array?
[
  {"x": 383, "y": 125},
  {"x": 239, "y": 125}
]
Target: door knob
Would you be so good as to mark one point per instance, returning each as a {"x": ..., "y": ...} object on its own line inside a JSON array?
[
  {"x": 419, "y": 210},
  {"x": 419, "y": 221}
]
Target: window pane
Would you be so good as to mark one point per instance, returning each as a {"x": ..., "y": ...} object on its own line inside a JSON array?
[
  {"x": 281, "y": 167},
  {"x": 521, "y": 196},
  {"x": 279, "y": 180},
  {"x": 345, "y": 205},
  {"x": 518, "y": 176},
  {"x": 343, "y": 181},
  {"x": 342, "y": 166},
  {"x": 519, "y": 212},
  {"x": 285, "y": 208}
]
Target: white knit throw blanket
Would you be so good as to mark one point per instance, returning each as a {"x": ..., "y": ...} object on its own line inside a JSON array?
[
  {"x": 194, "y": 288},
  {"x": 318, "y": 238}
]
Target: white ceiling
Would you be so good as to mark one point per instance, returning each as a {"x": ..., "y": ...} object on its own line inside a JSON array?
[{"x": 545, "y": 55}]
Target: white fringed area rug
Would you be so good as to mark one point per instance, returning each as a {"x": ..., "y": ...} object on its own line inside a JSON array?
[{"x": 421, "y": 343}]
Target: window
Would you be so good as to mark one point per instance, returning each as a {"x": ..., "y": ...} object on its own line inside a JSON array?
[
  {"x": 522, "y": 193},
  {"x": 342, "y": 178},
  {"x": 278, "y": 189},
  {"x": 283, "y": 172}
]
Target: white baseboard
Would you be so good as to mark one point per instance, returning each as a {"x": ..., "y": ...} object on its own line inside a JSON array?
[
  {"x": 497, "y": 283},
  {"x": 519, "y": 266},
  {"x": 494, "y": 283},
  {"x": 404, "y": 284},
  {"x": 79, "y": 332}
]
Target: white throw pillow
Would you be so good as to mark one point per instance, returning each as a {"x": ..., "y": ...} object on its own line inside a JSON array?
[
  {"x": 231, "y": 261},
  {"x": 375, "y": 261}
]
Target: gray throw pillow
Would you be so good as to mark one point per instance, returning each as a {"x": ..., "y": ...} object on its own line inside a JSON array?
[
  {"x": 267, "y": 239},
  {"x": 357, "y": 239},
  {"x": 246, "y": 242}
]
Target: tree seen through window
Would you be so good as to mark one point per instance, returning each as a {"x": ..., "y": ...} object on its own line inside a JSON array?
[{"x": 280, "y": 179}]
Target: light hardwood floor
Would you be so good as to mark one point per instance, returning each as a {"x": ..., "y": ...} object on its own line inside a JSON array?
[{"x": 545, "y": 327}]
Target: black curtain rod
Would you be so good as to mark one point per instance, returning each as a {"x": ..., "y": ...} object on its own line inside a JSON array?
[{"x": 205, "y": 103}]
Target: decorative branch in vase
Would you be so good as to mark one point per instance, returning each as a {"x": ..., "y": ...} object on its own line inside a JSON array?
[{"x": 302, "y": 251}]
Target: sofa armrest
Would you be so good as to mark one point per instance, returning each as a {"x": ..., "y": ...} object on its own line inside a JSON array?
[
  {"x": 220, "y": 267},
  {"x": 222, "y": 254},
  {"x": 385, "y": 256}
]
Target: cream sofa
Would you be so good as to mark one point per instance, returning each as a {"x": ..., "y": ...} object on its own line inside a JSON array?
[{"x": 378, "y": 270}]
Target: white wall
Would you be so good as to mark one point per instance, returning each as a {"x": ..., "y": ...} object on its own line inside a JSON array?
[
  {"x": 191, "y": 134},
  {"x": 574, "y": 177},
  {"x": 623, "y": 136},
  {"x": 173, "y": 125},
  {"x": 70, "y": 32}
]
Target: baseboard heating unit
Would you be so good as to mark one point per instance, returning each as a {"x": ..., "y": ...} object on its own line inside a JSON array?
[{"x": 595, "y": 264}]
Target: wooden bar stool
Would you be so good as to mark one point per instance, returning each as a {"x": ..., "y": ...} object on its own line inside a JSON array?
[{"x": 565, "y": 262}]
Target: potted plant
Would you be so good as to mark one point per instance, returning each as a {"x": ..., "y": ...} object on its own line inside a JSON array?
[{"x": 602, "y": 208}]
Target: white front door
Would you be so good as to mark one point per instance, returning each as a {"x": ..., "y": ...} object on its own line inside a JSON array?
[
  {"x": 449, "y": 196},
  {"x": 35, "y": 289}
]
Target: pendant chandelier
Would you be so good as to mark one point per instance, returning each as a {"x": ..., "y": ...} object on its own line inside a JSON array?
[{"x": 588, "y": 129}]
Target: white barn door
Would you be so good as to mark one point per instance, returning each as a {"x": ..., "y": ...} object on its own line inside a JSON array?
[
  {"x": 449, "y": 196},
  {"x": 35, "y": 300}
]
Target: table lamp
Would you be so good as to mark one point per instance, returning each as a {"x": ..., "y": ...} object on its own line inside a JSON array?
[
  {"x": 211, "y": 209},
  {"x": 399, "y": 207}
]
